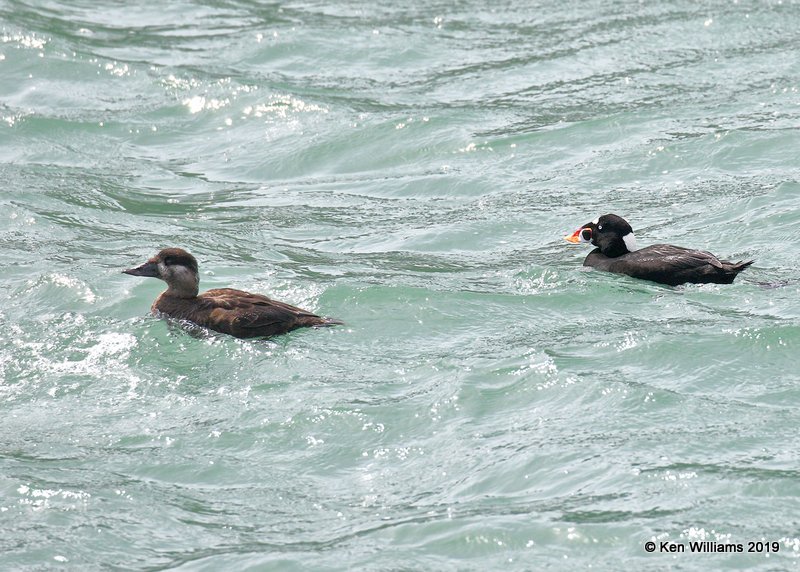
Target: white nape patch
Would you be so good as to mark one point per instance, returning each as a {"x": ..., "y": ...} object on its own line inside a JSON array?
[
  {"x": 630, "y": 242},
  {"x": 596, "y": 221}
]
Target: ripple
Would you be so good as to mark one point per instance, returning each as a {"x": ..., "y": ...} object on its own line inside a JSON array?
[{"x": 409, "y": 169}]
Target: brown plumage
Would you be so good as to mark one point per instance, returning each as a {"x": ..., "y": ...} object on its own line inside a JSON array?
[{"x": 225, "y": 310}]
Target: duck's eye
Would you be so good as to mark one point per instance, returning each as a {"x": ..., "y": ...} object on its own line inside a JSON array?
[
  {"x": 586, "y": 234},
  {"x": 599, "y": 227},
  {"x": 168, "y": 260}
]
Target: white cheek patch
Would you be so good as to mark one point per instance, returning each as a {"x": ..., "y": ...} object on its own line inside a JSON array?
[
  {"x": 184, "y": 275},
  {"x": 630, "y": 242},
  {"x": 162, "y": 270}
]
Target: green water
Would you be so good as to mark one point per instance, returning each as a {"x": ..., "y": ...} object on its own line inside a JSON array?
[{"x": 410, "y": 169}]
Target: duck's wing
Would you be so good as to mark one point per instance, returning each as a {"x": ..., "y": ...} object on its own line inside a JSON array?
[
  {"x": 674, "y": 258},
  {"x": 247, "y": 315},
  {"x": 675, "y": 265}
]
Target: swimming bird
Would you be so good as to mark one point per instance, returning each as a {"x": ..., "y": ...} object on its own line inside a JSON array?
[
  {"x": 617, "y": 252},
  {"x": 235, "y": 312}
]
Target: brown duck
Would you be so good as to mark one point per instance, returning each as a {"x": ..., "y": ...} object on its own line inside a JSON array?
[{"x": 225, "y": 310}]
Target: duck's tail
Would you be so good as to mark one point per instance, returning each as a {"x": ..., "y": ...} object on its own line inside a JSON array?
[
  {"x": 319, "y": 322},
  {"x": 739, "y": 266},
  {"x": 732, "y": 269}
]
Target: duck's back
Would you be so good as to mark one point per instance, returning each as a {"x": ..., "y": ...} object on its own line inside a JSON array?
[
  {"x": 238, "y": 313},
  {"x": 669, "y": 264}
]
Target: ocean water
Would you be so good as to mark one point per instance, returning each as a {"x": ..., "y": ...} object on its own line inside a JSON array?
[{"x": 409, "y": 168}]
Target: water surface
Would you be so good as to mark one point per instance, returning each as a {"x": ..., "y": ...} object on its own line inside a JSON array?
[{"x": 410, "y": 169}]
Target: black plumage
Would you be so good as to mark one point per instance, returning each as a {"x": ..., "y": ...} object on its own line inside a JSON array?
[
  {"x": 235, "y": 312},
  {"x": 663, "y": 263}
]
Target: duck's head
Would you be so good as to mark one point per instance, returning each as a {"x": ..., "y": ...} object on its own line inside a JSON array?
[
  {"x": 174, "y": 266},
  {"x": 610, "y": 233}
]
